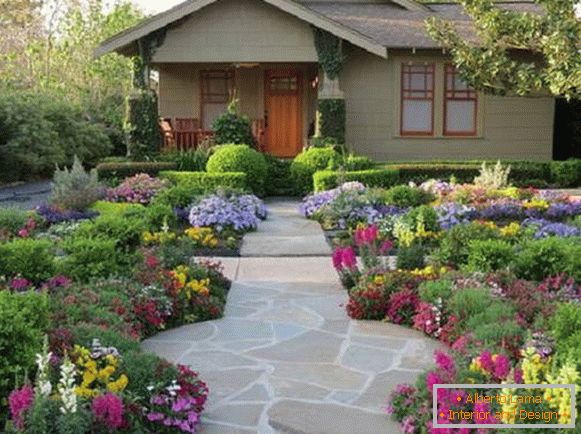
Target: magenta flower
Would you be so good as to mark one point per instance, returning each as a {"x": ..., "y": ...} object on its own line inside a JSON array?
[
  {"x": 501, "y": 366},
  {"x": 20, "y": 284},
  {"x": 108, "y": 409},
  {"x": 431, "y": 379},
  {"x": 20, "y": 401},
  {"x": 486, "y": 361},
  {"x": 445, "y": 362},
  {"x": 366, "y": 236},
  {"x": 344, "y": 258}
]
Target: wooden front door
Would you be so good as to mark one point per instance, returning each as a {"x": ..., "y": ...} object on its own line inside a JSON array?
[{"x": 283, "y": 113}]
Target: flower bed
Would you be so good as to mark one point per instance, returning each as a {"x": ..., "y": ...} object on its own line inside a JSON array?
[
  {"x": 491, "y": 272},
  {"x": 97, "y": 281}
]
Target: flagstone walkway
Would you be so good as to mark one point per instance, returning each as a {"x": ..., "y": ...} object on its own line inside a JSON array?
[{"x": 286, "y": 358}]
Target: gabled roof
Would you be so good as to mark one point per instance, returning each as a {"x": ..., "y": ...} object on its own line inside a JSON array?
[{"x": 123, "y": 41}]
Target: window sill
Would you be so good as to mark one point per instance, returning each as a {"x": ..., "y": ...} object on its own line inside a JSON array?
[{"x": 437, "y": 137}]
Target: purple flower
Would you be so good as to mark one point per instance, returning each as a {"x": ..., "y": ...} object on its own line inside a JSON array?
[
  {"x": 546, "y": 228},
  {"x": 558, "y": 211},
  {"x": 502, "y": 210},
  {"x": 140, "y": 188},
  {"x": 20, "y": 284},
  {"x": 313, "y": 203},
  {"x": 53, "y": 215},
  {"x": 451, "y": 214},
  {"x": 20, "y": 401}
]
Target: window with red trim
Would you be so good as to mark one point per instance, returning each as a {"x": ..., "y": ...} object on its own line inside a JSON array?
[
  {"x": 417, "y": 100},
  {"x": 217, "y": 91},
  {"x": 460, "y": 105}
]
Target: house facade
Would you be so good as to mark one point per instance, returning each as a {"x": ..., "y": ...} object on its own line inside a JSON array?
[{"x": 403, "y": 98}]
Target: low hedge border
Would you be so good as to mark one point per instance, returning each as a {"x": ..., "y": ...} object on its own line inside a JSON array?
[
  {"x": 327, "y": 179},
  {"x": 206, "y": 182},
  {"x": 128, "y": 169}
]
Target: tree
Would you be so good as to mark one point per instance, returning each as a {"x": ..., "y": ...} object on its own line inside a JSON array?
[{"x": 517, "y": 52}]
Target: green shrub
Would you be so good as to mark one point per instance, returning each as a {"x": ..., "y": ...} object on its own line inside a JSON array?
[
  {"x": 24, "y": 319},
  {"x": 469, "y": 302},
  {"x": 193, "y": 160},
  {"x": 75, "y": 189},
  {"x": 454, "y": 245},
  {"x": 232, "y": 128},
  {"x": 240, "y": 159},
  {"x": 30, "y": 258},
  {"x": 356, "y": 163},
  {"x": 418, "y": 172},
  {"x": 158, "y": 214},
  {"x": 201, "y": 182},
  {"x": 125, "y": 230},
  {"x": 87, "y": 259},
  {"x": 495, "y": 324},
  {"x": 326, "y": 180},
  {"x": 178, "y": 196},
  {"x": 40, "y": 131},
  {"x": 306, "y": 164},
  {"x": 279, "y": 177},
  {"x": 143, "y": 118},
  {"x": 83, "y": 334},
  {"x": 489, "y": 255},
  {"x": 128, "y": 169},
  {"x": 406, "y": 196},
  {"x": 12, "y": 219},
  {"x": 436, "y": 291},
  {"x": 425, "y": 214},
  {"x": 566, "y": 329},
  {"x": 566, "y": 173},
  {"x": 546, "y": 257},
  {"x": 119, "y": 209},
  {"x": 332, "y": 118},
  {"x": 410, "y": 258},
  {"x": 141, "y": 366}
]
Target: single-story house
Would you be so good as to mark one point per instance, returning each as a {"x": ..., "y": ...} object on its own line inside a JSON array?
[{"x": 403, "y": 98}]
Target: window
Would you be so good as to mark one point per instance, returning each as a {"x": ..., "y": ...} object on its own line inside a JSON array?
[
  {"x": 217, "y": 91},
  {"x": 417, "y": 100},
  {"x": 460, "y": 105},
  {"x": 283, "y": 84}
]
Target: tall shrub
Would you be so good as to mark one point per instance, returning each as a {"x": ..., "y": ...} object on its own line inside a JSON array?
[
  {"x": 144, "y": 136},
  {"x": 240, "y": 158},
  {"x": 75, "y": 189}
]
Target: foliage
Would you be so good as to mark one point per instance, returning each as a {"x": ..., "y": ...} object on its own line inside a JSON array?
[
  {"x": 496, "y": 177},
  {"x": 411, "y": 258},
  {"x": 32, "y": 259},
  {"x": 23, "y": 321},
  {"x": 405, "y": 196},
  {"x": 491, "y": 64},
  {"x": 329, "y": 52},
  {"x": 538, "y": 259},
  {"x": 566, "y": 173},
  {"x": 332, "y": 118},
  {"x": 192, "y": 160},
  {"x": 326, "y": 180},
  {"x": 489, "y": 255},
  {"x": 75, "y": 189},
  {"x": 128, "y": 169},
  {"x": 140, "y": 188},
  {"x": 279, "y": 177},
  {"x": 196, "y": 183},
  {"x": 454, "y": 246},
  {"x": 12, "y": 220},
  {"x": 565, "y": 327},
  {"x": 39, "y": 132},
  {"x": 142, "y": 123},
  {"x": 125, "y": 229},
  {"x": 119, "y": 210},
  {"x": 240, "y": 159},
  {"x": 232, "y": 128},
  {"x": 306, "y": 164}
]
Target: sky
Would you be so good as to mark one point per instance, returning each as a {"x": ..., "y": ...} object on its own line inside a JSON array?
[{"x": 156, "y": 6}]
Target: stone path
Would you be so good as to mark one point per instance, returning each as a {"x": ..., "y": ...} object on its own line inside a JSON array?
[
  {"x": 25, "y": 196},
  {"x": 286, "y": 358}
]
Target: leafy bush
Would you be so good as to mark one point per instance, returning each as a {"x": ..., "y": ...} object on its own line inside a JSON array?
[
  {"x": 39, "y": 132},
  {"x": 551, "y": 256},
  {"x": 454, "y": 245},
  {"x": 84, "y": 333},
  {"x": 125, "y": 230},
  {"x": 23, "y": 322},
  {"x": 489, "y": 255},
  {"x": 436, "y": 291},
  {"x": 306, "y": 164},
  {"x": 332, "y": 117},
  {"x": 192, "y": 160},
  {"x": 279, "y": 177},
  {"x": 12, "y": 219},
  {"x": 126, "y": 169},
  {"x": 405, "y": 196},
  {"x": 350, "y": 163},
  {"x": 566, "y": 173},
  {"x": 75, "y": 189},
  {"x": 197, "y": 183},
  {"x": 144, "y": 136},
  {"x": 418, "y": 172},
  {"x": 140, "y": 188},
  {"x": 410, "y": 258},
  {"x": 118, "y": 209},
  {"x": 30, "y": 258},
  {"x": 422, "y": 214},
  {"x": 566, "y": 329},
  {"x": 232, "y": 128},
  {"x": 240, "y": 159},
  {"x": 158, "y": 214},
  {"x": 93, "y": 258},
  {"x": 493, "y": 177},
  {"x": 327, "y": 180}
]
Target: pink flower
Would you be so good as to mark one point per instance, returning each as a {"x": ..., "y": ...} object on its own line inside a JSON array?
[
  {"x": 386, "y": 246},
  {"x": 23, "y": 233},
  {"x": 344, "y": 258},
  {"x": 366, "y": 236},
  {"x": 431, "y": 379},
  {"x": 108, "y": 410},
  {"x": 20, "y": 401},
  {"x": 486, "y": 361},
  {"x": 445, "y": 362},
  {"x": 19, "y": 284},
  {"x": 518, "y": 376},
  {"x": 501, "y": 366}
]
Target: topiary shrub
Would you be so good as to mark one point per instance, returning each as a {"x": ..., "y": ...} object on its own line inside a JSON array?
[
  {"x": 279, "y": 177},
  {"x": 240, "y": 158},
  {"x": 75, "y": 189},
  {"x": 232, "y": 128},
  {"x": 306, "y": 164},
  {"x": 29, "y": 258}
]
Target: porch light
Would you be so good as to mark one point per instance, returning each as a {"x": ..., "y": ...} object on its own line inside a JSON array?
[
  {"x": 246, "y": 65},
  {"x": 315, "y": 82}
]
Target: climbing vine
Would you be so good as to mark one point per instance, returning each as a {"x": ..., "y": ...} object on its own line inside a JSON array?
[{"x": 330, "y": 52}]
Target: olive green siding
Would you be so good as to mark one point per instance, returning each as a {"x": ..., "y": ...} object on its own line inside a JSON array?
[{"x": 508, "y": 127}]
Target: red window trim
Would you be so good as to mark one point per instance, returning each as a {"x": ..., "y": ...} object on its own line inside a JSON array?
[
  {"x": 205, "y": 95},
  {"x": 430, "y": 70},
  {"x": 458, "y": 95}
]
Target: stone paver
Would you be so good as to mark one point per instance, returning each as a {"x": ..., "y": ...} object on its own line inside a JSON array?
[
  {"x": 25, "y": 196},
  {"x": 286, "y": 358}
]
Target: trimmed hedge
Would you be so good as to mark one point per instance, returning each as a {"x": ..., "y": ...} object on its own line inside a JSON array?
[
  {"x": 327, "y": 179},
  {"x": 566, "y": 173},
  {"x": 307, "y": 163},
  {"x": 128, "y": 169},
  {"x": 204, "y": 182}
]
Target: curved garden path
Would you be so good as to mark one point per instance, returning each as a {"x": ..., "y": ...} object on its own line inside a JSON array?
[{"x": 285, "y": 358}]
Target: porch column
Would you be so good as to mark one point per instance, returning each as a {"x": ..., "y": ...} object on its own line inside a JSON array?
[{"x": 331, "y": 110}]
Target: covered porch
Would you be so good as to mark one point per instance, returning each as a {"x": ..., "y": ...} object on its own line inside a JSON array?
[{"x": 280, "y": 100}]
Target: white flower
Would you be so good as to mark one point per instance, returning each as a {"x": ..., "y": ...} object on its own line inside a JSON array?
[
  {"x": 66, "y": 388},
  {"x": 43, "y": 386}
]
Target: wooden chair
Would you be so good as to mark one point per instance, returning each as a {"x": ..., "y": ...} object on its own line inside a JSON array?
[
  {"x": 186, "y": 131},
  {"x": 167, "y": 134},
  {"x": 258, "y": 131}
]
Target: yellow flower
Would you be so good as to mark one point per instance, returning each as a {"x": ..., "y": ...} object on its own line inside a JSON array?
[
  {"x": 379, "y": 280},
  {"x": 511, "y": 230},
  {"x": 119, "y": 385},
  {"x": 536, "y": 203}
]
